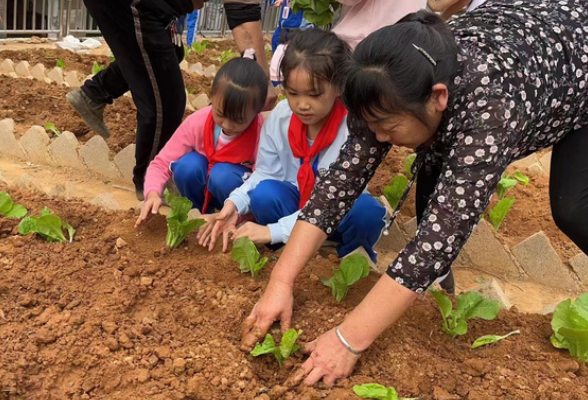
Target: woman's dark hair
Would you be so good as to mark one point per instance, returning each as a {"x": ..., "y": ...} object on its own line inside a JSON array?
[
  {"x": 242, "y": 83},
  {"x": 394, "y": 69},
  {"x": 320, "y": 53}
]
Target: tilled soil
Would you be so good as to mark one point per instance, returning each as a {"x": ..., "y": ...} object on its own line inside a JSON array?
[
  {"x": 89, "y": 320},
  {"x": 48, "y": 57}
]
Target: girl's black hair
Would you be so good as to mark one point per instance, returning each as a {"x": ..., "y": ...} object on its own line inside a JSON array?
[
  {"x": 390, "y": 71},
  {"x": 320, "y": 53},
  {"x": 242, "y": 83}
]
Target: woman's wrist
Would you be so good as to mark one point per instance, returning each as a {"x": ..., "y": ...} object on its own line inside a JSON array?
[{"x": 357, "y": 338}]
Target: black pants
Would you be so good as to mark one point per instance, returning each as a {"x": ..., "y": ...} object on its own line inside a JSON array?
[
  {"x": 147, "y": 64},
  {"x": 568, "y": 187}
]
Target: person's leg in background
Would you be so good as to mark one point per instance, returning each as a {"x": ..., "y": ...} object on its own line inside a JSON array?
[
  {"x": 189, "y": 175},
  {"x": 272, "y": 200},
  {"x": 361, "y": 227},
  {"x": 192, "y": 27},
  {"x": 568, "y": 186},
  {"x": 425, "y": 186},
  {"x": 223, "y": 179},
  {"x": 149, "y": 63}
]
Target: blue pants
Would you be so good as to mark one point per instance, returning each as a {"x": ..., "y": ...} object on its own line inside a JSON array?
[
  {"x": 189, "y": 174},
  {"x": 192, "y": 27},
  {"x": 362, "y": 226}
]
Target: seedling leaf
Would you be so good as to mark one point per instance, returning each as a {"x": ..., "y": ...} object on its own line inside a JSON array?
[
  {"x": 51, "y": 128},
  {"x": 60, "y": 63},
  {"x": 522, "y": 178},
  {"x": 373, "y": 391},
  {"x": 282, "y": 352},
  {"x": 48, "y": 226},
  {"x": 500, "y": 211},
  {"x": 10, "y": 210},
  {"x": 17, "y": 211},
  {"x": 246, "y": 254},
  {"x": 505, "y": 184},
  {"x": 199, "y": 47},
  {"x": 352, "y": 269},
  {"x": 178, "y": 226},
  {"x": 408, "y": 165},
  {"x": 394, "y": 191},
  {"x": 489, "y": 339},
  {"x": 570, "y": 327},
  {"x": 97, "y": 68}
]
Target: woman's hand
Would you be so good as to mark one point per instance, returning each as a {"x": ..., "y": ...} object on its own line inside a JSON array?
[
  {"x": 258, "y": 234},
  {"x": 152, "y": 204},
  {"x": 225, "y": 223},
  {"x": 329, "y": 360},
  {"x": 276, "y": 303}
]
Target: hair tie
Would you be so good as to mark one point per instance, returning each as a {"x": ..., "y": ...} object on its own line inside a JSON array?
[
  {"x": 250, "y": 54},
  {"x": 424, "y": 52}
]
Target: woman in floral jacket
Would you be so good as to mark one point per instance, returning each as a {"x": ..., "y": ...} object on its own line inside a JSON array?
[{"x": 500, "y": 83}]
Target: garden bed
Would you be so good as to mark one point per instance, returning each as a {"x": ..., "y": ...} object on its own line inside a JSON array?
[{"x": 91, "y": 320}]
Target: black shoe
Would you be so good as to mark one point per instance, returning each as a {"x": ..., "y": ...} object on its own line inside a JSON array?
[
  {"x": 448, "y": 284},
  {"x": 91, "y": 112},
  {"x": 139, "y": 194}
]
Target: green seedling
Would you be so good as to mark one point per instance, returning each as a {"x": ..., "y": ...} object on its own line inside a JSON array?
[
  {"x": 10, "y": 210},
  {"x": 246, "y": 254},
  {"x": 190, "y": 91},
  {"x": 49, "y": 126},
  {"x": 352, "y": 269},
  {"x": 394, "y": 191},
  {"x": 50, "y": 227},
  {"x": 60, "y": 63},
  {"x": 378, "y": 392},
  {"x": 112, "y": 59},
  {"x": 505, "y": 184},
  {"x": 178, "y": 226},
  {"x": 187, "y": 51},
  {"x": 490, "y": 339},
  {"x": 199, "y": 47},
  {"x": 225, "y": 56},
  {"x": 523, "y": 179},
  {"x": 318, "y": 12},
  {"x": 469, "y": 306},
  {"x": 500, "y": 211},
  {"x": 570, "y": 327},
  {"x": 97, "y": 68},
  {"x": 408, "y": 165},
  {"x": 282, "y": 352}
]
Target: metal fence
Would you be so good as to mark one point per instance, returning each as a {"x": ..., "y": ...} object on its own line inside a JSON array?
[{"x": 58, "y": 18}]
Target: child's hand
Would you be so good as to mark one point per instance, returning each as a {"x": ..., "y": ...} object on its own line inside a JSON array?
[
  {"x": 152, "y": 203},
  {"x": 226, "y": 223},
  {"x": 258, "y": 234},
  {"x": 205, "y": 230}
]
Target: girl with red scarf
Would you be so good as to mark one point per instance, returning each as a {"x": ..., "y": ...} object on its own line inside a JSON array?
[
  {"x": 214, "y": 150},
  {"x": 301, "y": 138}
]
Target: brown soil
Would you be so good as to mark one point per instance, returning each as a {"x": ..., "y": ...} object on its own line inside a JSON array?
[
  {"x": 73, "y": 61},
  {"x": 214, "y": 49},
  {"x": 196, "y": 84},
  {"x": 87, "y": 320}
]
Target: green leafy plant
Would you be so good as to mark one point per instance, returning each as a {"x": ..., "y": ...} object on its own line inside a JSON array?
[
  {"x": 112, "y": 59},
  {"x": 318, "y": 12},
  {"x": 408, "y": 164},
  {"x": 10, "y": 210},
  {"x": 469, "y": 306},
  {"x": 570, "y": 327},
  {"x": 377, "y": 391},
  {"x": 199, "y": 47},
  {"x": 500, "y": 211},
  {"x": 519, "y": 176},
  {"x": 505, "y": 184},
  {"x": 178, "y": 226},
  {"x": 225, "y": 56},
  {"x": 97, "y": 68},
  {"x": 352, "y": 269},
  {"x": 394, "y": 191},
  {"x": 50, "y": 227},
  {"x": 246, "y": 254},
  {"x": 49, "y": 126},
  {"x": 282, "y": 352},
  {"x": 187, "y": 50},
  {"x": 490, "y": 339},
  {"x": 60, "y": 63}
]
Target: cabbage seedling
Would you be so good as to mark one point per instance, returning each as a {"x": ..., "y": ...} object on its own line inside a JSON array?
[
  {"x": 10, "y": 210},
  {"x": 225, "y": 56},
  {"x": 199, "y": 47},
  {"x": 570, "y": 327},
  {"x": 351, "y": 270},
  {"x": 60, "y": 63},
  {"x": 282, "y": 352},
  {"x": 97, "y": 68},
  {"x": 246, "y": 254},
  {"x": 178, "y": 226},
  {"x": 378, "y": 392},
  {"x": 500, "y": 211},
  {"x": 50, "y": 227},
  {"x": 469, "y": 306},
  {"x": 394, "y": 191},
  {"x": 490, "y": 339},
  {"x": 49, "y": 126}
]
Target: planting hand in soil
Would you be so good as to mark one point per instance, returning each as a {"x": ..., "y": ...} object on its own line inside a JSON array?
[
  {"x": 151, "y": 206},
  {"x": 458, "y": 112}
]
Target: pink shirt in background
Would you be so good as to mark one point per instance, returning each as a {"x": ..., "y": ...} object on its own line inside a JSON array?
[
  {"x": 187, "y": 138},
  {"x": 359, "y": 18},
  {"x": 276, "y": 61}
]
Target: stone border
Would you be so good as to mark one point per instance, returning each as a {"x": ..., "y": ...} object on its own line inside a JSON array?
[{"x": 74, "y": 79}]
